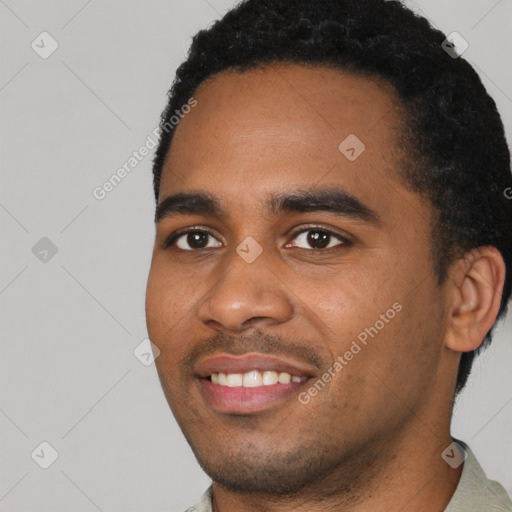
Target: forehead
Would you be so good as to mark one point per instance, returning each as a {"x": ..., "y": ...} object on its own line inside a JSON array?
[{"x": 282, "y": 125}]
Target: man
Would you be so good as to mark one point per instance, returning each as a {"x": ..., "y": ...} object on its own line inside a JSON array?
[{"x": 333, "y": 247}]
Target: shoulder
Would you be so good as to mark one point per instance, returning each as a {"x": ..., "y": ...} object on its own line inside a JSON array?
[
  {"x": 204, "y": 504},
  {"x": 475, "y": 492}
]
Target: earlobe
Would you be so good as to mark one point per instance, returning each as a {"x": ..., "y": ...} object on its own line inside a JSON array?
[{"x": 477, "y": 285}]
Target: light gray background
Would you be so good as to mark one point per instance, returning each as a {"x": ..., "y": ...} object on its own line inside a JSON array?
[{"x": 70, "y": 325}]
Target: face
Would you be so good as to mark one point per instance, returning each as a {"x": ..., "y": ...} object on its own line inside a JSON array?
[{"x": 291, "y": 290}]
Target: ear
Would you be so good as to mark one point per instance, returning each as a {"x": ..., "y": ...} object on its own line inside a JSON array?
[{"x": 476, "y": 287}]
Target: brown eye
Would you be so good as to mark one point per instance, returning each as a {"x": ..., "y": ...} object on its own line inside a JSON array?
[
  {"x": 192, "y": 240},
  {"x": 318, "y": 239},
  {"x": 197, "y": 240}
]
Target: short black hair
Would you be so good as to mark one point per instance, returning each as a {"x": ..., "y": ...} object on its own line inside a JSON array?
[{"x": 458, "y": 157}]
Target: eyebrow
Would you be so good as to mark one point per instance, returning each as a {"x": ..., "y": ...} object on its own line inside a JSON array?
[
  {"x": 334, "y": 200},
  {"x": 188, "y": 203}
]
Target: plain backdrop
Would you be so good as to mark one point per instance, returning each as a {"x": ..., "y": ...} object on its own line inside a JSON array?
[{"x": 74, "y": 268}]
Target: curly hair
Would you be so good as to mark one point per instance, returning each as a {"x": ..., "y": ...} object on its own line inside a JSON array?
[{"x": 457, "y": 154}]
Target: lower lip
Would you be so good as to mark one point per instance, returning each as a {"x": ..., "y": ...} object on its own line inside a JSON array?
[{"x": 241, "y": 400}]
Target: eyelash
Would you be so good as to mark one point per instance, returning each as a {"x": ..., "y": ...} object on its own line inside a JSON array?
[{"x": 345, "y": 241}]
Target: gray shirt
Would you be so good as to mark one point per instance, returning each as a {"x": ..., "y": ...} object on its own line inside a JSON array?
[{"x": 474, "y": 493}]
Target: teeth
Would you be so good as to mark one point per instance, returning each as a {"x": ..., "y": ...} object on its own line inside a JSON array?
[
  {"x": 284, "y": 378},
  {"x": 254, "y": 379},
  {"x": 235, "y": 380},
  {"x": 270, "y": 378}
]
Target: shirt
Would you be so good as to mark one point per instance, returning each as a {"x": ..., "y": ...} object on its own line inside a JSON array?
[{"x": 474, "y": 493}]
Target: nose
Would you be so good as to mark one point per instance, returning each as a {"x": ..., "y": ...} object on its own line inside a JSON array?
[{"x": 246, "y": 295}]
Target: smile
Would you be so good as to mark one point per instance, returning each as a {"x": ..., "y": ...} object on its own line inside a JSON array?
[
  {"x": 249, "y": 383},
  {"x": 254, "y": 378}
]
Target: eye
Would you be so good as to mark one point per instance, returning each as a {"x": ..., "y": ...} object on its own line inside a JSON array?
[
  {"x": 315, "y": 238},
  {"x": 191, "y": 240}
]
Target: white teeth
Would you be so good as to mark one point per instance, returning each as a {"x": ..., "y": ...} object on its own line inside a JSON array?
[
  {"x": 284, "y": 378},
  {"x": 235, "y": 380},
  {"x": 270, "y": 378},
  {"x": 254, "y": 379}
]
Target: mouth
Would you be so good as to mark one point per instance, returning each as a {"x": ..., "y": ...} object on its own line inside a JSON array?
[
  {"x": 250, "y": 383},
  {"x": 254, "y": 378}
]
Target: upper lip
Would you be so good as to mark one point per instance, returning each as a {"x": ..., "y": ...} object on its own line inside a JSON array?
[{"x": 228, "y": 363}]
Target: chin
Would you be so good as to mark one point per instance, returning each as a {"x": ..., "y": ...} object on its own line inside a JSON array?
[{"x": 249, "y": 470}]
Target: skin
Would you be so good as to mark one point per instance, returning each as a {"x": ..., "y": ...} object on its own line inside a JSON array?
[{"x": 372, "y": 438}]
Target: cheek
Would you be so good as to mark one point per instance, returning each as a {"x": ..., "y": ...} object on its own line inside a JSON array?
[
  {"x": 158, "y": 309},
  {"x": 169, "y": 303},
  {"x": 353, "y": 299},
  {"x": 408, "y": 351},
  {"x": 393, "y": 315},
  {"x": 165, "y": 320}
]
